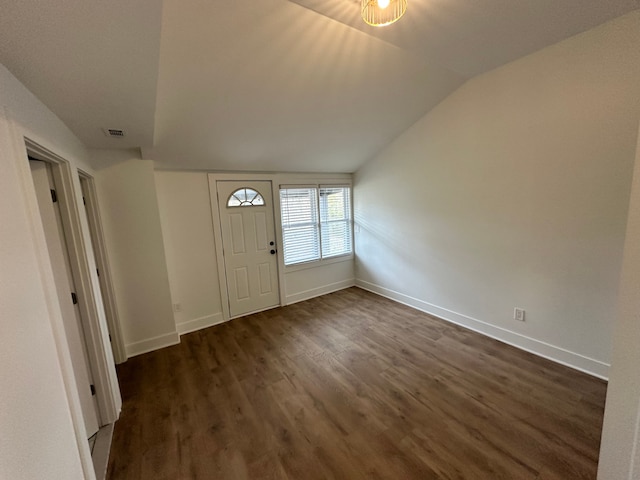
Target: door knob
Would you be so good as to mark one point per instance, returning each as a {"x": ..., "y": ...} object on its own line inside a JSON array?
[{"x": 273, "y": 252}]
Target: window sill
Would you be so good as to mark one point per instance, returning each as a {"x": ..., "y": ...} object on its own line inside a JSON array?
[{"x": 318, "y": 263}]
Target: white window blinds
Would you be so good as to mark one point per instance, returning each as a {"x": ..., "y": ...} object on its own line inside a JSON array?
[
  {"x": 300, "y": 232},
  {"x": 316, "y": 223},
  {"x": 335, "y": 221}
]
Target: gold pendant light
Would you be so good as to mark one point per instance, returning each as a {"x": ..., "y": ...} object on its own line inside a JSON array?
[{"x": 380, "y": 13}]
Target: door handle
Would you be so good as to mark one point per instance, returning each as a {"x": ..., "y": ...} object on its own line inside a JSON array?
[{"x": 273, "y": 251}]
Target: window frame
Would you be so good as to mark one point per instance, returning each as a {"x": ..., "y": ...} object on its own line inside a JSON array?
[
  {"x": 314, "y": 223},
  {"x": 350, "y": 221}
]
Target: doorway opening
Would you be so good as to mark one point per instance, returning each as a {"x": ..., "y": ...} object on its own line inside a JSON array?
[
  {"x": 49, "y": 200},
  {"x": 90, "y": 200},
  {"x": 76, "y": 286}
]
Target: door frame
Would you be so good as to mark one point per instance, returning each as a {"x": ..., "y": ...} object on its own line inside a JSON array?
[
  {"x": 214, "y": 178},
  {"x": 18, "y": 156},
  {"x": 85, "y": 278},
  {"x": 90, "y": 197},
  {"x": 50, "y": 207}
]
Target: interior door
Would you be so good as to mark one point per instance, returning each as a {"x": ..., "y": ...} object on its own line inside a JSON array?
[
  {"x": 59, "y": 255},
  {"x": 248, "y": 241},
  {"x": 93, "y": 220}
]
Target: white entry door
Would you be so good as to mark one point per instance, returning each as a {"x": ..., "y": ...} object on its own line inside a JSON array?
[
  {"x": 249, "y": 249},
  {"x": 59, "y": 255}
]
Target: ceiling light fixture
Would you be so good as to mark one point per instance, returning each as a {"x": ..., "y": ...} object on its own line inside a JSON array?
[{"x": 380, "y": 13}]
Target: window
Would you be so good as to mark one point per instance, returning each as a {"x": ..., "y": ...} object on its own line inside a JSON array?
[
  {"x": 300, "y": 234},
  {"x": 316, "y": 223},
  {"x": 245, "y": 197},
  {"x": 335, "y": 221}
]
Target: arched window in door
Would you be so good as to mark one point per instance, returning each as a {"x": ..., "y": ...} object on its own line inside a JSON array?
[{"x": 245, "y": 197}]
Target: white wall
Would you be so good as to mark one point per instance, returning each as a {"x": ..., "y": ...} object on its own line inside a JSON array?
[
  {"x": 621, "y": 430},
  {"x": 185, "y": 212},
  {"x": 514, "y": 192},
  {"x": 35, "y": 422},
  {"x": 187, "y": 229},
  {"x": 312, "y": 281},
  {"x": 131, "y": 221},
  {"x": 302, "y": 282},
  {"x": 38, "y": 399}
]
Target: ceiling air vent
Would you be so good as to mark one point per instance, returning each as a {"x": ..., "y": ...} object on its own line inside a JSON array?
[{"x": 113, "y": 132}]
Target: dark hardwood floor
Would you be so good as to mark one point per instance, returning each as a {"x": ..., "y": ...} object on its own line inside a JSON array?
[{"x": 352, "y": 386}]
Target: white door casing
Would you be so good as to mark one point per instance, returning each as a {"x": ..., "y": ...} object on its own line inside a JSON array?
[
  {"x": 107, "y": 294},
  {"x": 249, "y": 249},
  {"x": 58, "y": 254}
]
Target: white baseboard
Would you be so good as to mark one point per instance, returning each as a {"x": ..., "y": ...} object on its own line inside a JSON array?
[
  {"x": 551, "y": 352},
  {"x": 316, "y": 292},
  {"x": 199, "y": 323},
  {"x": 155, "y": 343}
]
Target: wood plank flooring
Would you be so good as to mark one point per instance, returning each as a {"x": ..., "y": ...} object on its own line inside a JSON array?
[{"x": 352, "y": 386}]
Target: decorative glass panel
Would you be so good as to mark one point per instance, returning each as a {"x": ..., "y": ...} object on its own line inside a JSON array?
[{"x": 245, "y": 197}]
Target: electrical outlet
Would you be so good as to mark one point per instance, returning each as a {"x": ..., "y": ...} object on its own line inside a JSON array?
[
  {"x": 177, "y": 307},
  {"x": 518, "y": 314}
]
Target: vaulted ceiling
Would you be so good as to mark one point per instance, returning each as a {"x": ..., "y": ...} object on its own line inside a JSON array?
[{"x": 272, "y": 85}]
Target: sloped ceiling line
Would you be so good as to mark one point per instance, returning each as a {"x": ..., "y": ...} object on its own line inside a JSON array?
[{"x": 275, "y": 85}]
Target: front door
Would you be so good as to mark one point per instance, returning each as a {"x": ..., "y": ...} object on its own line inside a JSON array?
[{"x": 248, "y": 241}]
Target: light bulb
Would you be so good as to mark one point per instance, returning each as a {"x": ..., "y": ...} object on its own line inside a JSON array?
[{"x": 383, "y": 4}]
